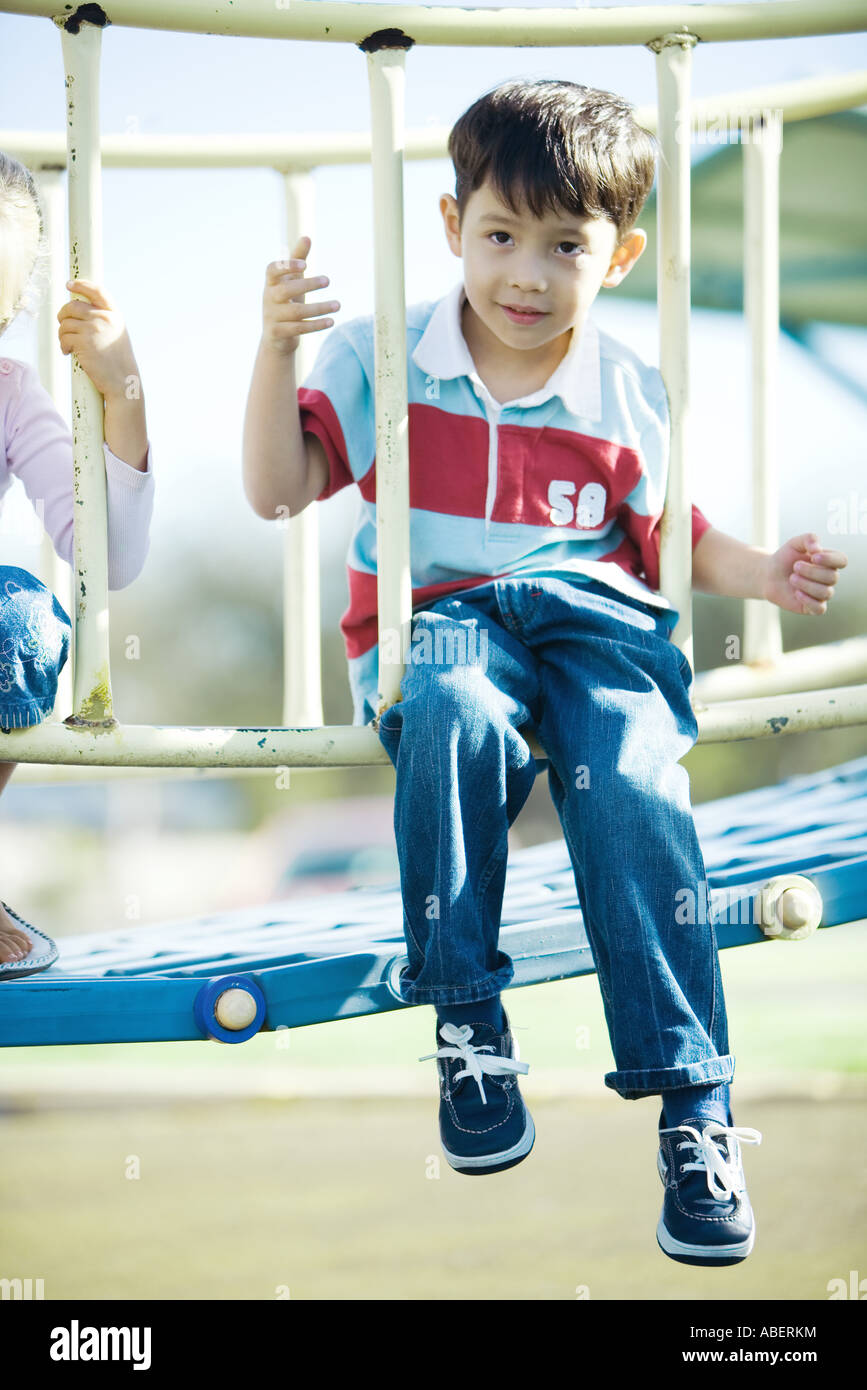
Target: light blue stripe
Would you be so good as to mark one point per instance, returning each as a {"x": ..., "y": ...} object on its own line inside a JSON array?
[{"x": 446, "y": 548}]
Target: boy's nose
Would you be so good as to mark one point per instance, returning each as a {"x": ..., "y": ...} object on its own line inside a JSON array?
[{"x": 529, "y": 277}]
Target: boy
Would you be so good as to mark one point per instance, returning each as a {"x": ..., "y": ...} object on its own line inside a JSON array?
[{"x": 538, "y": 468}]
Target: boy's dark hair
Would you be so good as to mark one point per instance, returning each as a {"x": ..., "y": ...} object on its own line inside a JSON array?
[{"x": 552, "y": 144}]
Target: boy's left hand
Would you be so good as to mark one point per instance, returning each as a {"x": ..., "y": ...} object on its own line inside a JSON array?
[
  {"x": 801, "y": 575},
  {"x": 94, "y": 331}
]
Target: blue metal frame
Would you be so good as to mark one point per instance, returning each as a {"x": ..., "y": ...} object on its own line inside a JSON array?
[{"x": 320, "y": 959}]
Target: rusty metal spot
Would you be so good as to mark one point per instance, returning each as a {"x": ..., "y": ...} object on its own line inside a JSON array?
[
  {"x": 385, "y": 38},
  {"x": 96, "y": 726},
  {"x": 86, "y": 14}
]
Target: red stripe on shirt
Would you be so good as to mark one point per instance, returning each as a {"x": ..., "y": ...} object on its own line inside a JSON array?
[
  {"x": 531, "y": 460},
  {"x": 643, "y": 535},
  {"x": 449, "y": 462},
  {"x": 319, "y": 417},
  {"x": 449, "y": 471},
  {"x": 359, "y": 622}
]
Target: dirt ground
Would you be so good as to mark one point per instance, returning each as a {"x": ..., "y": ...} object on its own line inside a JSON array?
[{"x": 351, "y": 1199}]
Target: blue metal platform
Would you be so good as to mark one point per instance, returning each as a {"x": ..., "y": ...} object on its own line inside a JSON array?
[{"x": 320, "y": 959}]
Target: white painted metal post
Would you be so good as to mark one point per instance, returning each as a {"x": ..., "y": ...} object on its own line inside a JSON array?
[
  {"x": 302, "y": 620},
  {"x": 762, "y": 634},
  {"x": 91, "y": 678},
  {"x": 386, "y": 70},
  {"x": 53, "y": 571},
  {"x": 673, "y": 63}
]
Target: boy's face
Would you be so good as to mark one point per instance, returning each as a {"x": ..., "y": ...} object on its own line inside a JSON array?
[{"x": 551, "y": 268}]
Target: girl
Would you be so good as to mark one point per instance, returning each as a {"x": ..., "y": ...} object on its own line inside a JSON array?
[{"x": 36, "y": 446}]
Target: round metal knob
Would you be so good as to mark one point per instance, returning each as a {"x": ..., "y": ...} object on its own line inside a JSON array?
[
  {"x": 235, "y": 1009},
  {"x": 796, "y": 908},
  {"x": 230, "y": 1008},
  {"x": 790, "y": 907},
  {"x": 392, "y": 976}
]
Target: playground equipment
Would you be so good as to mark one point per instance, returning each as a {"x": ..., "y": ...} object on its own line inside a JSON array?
[
  {"x": 228, "y": 977},
  {"x": 781, "y": 861}
]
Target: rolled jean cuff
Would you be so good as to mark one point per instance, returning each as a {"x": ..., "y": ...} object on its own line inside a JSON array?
[
  {"x": 458, "y": 994},
  {"x": 634, "y": 1084}
]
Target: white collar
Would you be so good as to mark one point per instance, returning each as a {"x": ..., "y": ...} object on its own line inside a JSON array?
[{"x": 442, "y": 351}]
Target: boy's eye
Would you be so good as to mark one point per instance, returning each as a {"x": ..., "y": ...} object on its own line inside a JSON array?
[{"x": 570, "y": 247}]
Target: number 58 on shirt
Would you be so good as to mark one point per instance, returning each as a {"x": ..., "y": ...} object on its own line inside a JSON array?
[{"x": 590, "y": 509}]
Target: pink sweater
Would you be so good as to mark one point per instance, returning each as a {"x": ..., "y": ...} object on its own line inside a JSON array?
[{"x": 36, "y": 446}]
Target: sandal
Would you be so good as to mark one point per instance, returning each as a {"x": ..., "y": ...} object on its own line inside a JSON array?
[{"x": 43, "y": 952}]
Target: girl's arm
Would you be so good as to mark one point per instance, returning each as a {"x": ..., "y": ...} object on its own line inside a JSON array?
[
  {"x": 95, "y": 332},
  {"x": 39, "y": 453},
  {"x": 126, "y": 431}
]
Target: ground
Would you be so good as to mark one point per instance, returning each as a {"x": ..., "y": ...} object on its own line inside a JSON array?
[{"x": 341, "y": 1200}]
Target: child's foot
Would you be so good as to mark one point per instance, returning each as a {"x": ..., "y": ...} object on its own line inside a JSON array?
[
  {"x": 484, "y": 1123},
  {"x": 23, "y": 950},
  {"x": 15, "y": 944},
  {"x": 706, "y": 1214}
]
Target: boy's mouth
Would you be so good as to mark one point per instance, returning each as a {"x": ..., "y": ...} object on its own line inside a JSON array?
[{"x": 519, "y": 314}]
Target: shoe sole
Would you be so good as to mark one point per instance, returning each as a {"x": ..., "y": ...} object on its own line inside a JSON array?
[
  {"x": 495, "y": 1163},
  {"x": 687, "y": 1253},
  {"x": 43, "y": 953}
]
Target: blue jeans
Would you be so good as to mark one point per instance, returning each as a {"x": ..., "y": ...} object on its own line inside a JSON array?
[
  {"x": 596, "y": 676},
  {"x": 35, "y": 633}
]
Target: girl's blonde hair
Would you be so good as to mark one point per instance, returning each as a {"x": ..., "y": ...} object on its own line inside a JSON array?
[{"x": 23, "y": 246}]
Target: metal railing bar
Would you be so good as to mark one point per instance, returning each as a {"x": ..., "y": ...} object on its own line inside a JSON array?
[
  {"x": 326, "y": 22},
  {"x": 346, "y": 745}
]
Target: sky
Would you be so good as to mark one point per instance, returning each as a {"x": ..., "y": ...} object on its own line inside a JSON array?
[{"x": 185, "y": 255}]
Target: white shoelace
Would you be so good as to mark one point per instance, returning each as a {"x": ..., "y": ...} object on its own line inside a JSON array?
[
  {"x": 710, "y": 1158},
  {"x": 476, "y": 1065}
]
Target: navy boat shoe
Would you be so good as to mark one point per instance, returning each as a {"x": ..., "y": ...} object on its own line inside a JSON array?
[
  {"x": 484, "y": 1124},
  {"x": 706, "y": 1214}
]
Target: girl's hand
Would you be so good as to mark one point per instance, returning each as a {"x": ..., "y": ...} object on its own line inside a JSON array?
[
  {"x": 94, "y": 331},
  {"x": 285, "y": 316},
  {"x": 801, "y": 575}
]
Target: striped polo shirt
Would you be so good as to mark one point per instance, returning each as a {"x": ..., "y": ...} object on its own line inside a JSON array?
[{"x": 569, "y": 480}]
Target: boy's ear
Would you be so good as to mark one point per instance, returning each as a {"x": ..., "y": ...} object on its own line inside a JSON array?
[
  {"x": 624, "y": 258},
  {"x": 451, "y": 222}
]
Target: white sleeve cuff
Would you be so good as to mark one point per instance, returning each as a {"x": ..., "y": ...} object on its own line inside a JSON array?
[{"x": 125, "y": 472}]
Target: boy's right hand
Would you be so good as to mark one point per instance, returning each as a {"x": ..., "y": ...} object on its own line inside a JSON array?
[{"x": 285, "y": 316}]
